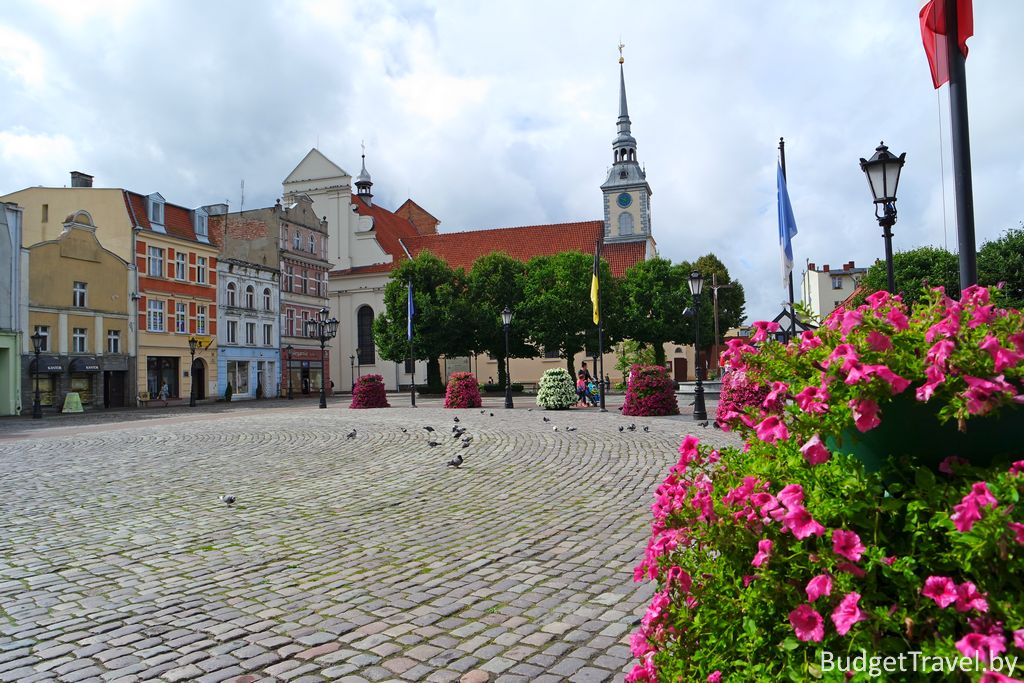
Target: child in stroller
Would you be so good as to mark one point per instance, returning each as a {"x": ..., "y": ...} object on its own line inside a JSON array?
[{"x": 593, "y": 392}]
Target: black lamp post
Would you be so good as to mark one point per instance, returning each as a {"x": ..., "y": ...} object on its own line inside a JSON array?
[
  {"x": 288, "y": 359},
  {"x": 322, "y": 328},
  {"x": 696, "y": 285},
  {"x": 359, "y": 357},
  {"x": 352, "y": 370},
  {"x": 883, "y": 173},
  {"x": 192, "y": 344},
  {"x": 506, "y": 321},
  {"x": 37, "y": 347}
]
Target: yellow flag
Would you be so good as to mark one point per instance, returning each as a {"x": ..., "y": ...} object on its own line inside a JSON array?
[{"x": 595, "y": 283}]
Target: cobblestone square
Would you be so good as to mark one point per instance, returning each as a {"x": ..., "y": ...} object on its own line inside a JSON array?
[{"x": 350, "y": 559}]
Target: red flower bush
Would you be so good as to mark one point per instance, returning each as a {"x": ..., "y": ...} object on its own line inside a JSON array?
[
  {"x": 650, "y": 392},
  {"x": 738, "y": 393},
  {"x": 369, "y": 393},
  {"x": 463, "y": 391}
]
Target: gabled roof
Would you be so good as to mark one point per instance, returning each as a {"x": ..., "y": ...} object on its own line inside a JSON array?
[
  {"x": 177, "y": 219},
  {"x": 314, "y": 166},
  {"x": 388, "y": 227}
]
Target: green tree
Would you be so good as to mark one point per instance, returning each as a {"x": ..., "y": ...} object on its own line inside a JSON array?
[
  {"x": 557, "y": 311},
  {"x": 1002, "y": 260},
  {"x": 442, "y": 315},
  {"x": 496, "y": 281},
  {"x": 913, "y": 270},
  {"x": 731, "y": 303},
  {"x": 653, "y": 295}
]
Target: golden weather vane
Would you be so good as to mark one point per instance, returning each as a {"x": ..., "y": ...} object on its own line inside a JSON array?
[{"x": 621, "y": 45}]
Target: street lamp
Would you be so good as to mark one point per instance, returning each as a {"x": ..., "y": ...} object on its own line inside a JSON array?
[
  {"x": 352, "y": 370},
  {"x": 37, "y": 346},
  {"x": 696, "y": 285},
  {"x": 192, "y": 344},
  {"x": 506, "y": 321},
  {"x": 322, "y": 328},
  {"x": 883, "y": 173},
  {"x": 359, "y": 356},
  {"x": 288, "y": 359}
]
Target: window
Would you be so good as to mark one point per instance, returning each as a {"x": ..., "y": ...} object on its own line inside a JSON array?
[
  {"x": 156, "y": 210},
  {"x": 46, "y": 212},
  {"x": 181, "y": 317},
  {"x": 625, "y": 223},
  {"x": 267, "y": 302},
  {"x": 305, "y": 319},
  {"x": 250, "y": 333},
  {"x": 364, "y": 332},
  {"x": 297, "y": 243},
  {"x": 78, "y": 337},
  {"x": 155, "y": 315},
  {"x": 202, "y": 225},
  {"x": 552, "y": 353},
  {"x": 44, "y": 332},
  {"x": 156, "y": 262},
  {"x": 289, "y": 279},
  {"x": 232, "y": 296},
  {"x": 78, "y": 295},
  {"x": 201, "y": 270},
  {"x": 284, "y": 238},
  {"x": 290, "y": 323},
  {"x": 238, "y": 376},
  {"x": 312, "y": 244},
  {"x": 268, "y": 334},
  {"x": 303, "y": 281},
  {"x": 113, "y": 341},
  {"x": 837, "y": 282},
  {"x": 232, "y": 331},
  {"x": 179, "y": 265},
  {"x": 250, "y": 297},
  {"x": 201, "y": 320}
]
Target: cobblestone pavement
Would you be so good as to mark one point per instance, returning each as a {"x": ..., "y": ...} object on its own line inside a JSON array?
[{"x": 361, "y": 559}]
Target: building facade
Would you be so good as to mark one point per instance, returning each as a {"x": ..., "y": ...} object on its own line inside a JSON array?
[
  {"x": 824, "y": 289},
  {"x": 248, "y": 343},
  {"x": 79, "y": 303},
  {"x": 13, "y": 291}
]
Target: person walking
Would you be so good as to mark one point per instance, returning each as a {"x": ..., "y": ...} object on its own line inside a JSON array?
[{"x": 165, "y": 392}]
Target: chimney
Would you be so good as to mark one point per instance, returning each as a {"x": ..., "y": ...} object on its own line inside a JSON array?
[
  {"x": 811, "y": 266},
  {"x": 824, "y": 268},
  {"x": 847, "y": 266},
  {"x": 79, "y": 179}
]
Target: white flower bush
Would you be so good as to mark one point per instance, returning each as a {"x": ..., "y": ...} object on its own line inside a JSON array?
[{"x": 557, "y": 391}]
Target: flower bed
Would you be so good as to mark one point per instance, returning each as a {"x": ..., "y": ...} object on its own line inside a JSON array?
[
  {"x": 556, "y": 391},
  {"x": 463, "y": 391},
  {"x": 369, "y": 393},
  {"x": 650, "y": 392},
  {"x": 787, "y": 559}
]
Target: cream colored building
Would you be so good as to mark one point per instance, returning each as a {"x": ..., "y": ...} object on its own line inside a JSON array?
[{"x": 824, "y": 289}]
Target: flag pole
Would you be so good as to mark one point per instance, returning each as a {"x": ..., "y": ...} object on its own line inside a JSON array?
[
  {"x": 961, "y": 143},
  {"x": 600, "y": 330},
  {"x": 792, "y": 307},
  {"x": 410, "y": 312}
]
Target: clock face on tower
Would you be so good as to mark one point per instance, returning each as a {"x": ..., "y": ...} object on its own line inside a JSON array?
[{"x": 624, "y": 200}]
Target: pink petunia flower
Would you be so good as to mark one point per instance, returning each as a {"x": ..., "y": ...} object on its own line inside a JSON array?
[
  {"x": 808, "y": 341},
  {"x": 818, "y": 586},
  {"x": 968, "y": 511},
  {"x": 813, "y": 400},
  {"x": 1018, "y": 638},
  {"x": 748, "y": 579},
  {"x": 847, "y": 613},
  {"x": 814, "y": 451},
  {"x": 851, "y": 319},
  {"x": 935, "y": 377},
  {"x": 897, "y": 319},
  {"x": 889, "y": 561},
  {"x": 800, "y": 522},
  {"x": 1017, "y": 468},
  {"x": 763, "y": 327},
  {"x": 764, "y": 552},
  {"x": 847, "y": 544},
  {"x": 878, "y": 299},
  {"x": 1018, "y": 529},
  {"x": 996, "y": 677},
  {"x": 981, "y": 646},
  {"x": 715, "y": 676},
  {"x": 949, "y": 463},
  {"x": 772, "y": 429},
  {"x": 865, "y": 414},
  {"x": 851, "y": 568},
  {"x": 792, "y": 496},
  {"x": 968, "y": 598},
  {"x": 807, "y": 623},
  {"x": 878, "y": 341},
  {"x": 1003, "y": 358},
  {"x": 941, "y": 589},
  {"x": 679, "y": 577}
]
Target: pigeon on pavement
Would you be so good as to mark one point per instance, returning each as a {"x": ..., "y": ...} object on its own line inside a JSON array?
[
  {"x": 492, "y": 414},
  {"x": 621, "y": 428},
  {"x": 716, "y": 426},
  {"x": 570, "y": 429},
  {"x": 555, "y": 428},
  {"x": 404, "y": 430},
  {"x": 228, "y": 500},
  {"x": 467, "y": 439},
  {"x": 351, "y": 435},
  {"x": 703, "y": 424},
  {"x": 429, "y": 429},
  {"x": 546, "y": 419},
  {"x": 631, "y": 427},
  {"x": 465, "y": 444},
  {"x": 456, "y": 461},
  {"x": 646, "y": 428},
  {"x": 432, "y": 443},
  {"x": 455, "y": 419}
]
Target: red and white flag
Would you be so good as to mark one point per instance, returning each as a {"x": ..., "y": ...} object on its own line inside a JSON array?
[{"x": 933, "y": 33}]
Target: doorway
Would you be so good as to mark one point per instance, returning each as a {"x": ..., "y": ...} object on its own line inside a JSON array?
[
  {"x": 199, "y": 379},
  {"x": 679, "y": 369},
  {"x": 113, "y": 389}
]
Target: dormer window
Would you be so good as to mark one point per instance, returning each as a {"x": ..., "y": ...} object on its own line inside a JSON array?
[
  {"x": 155, "y": 211},
  {"x": 201, "y": 224}
]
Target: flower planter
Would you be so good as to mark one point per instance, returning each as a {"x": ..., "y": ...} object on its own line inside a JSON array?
[{"x": 910, "y": 428}]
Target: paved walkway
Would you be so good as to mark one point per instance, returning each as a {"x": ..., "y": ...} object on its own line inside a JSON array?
[{"x": 362, "y": 559}]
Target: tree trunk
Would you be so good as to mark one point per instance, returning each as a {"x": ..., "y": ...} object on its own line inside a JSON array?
[
  {"x": 571, "y": 366},
  {"x": 659, "y": 354},
  {"x": 434, "y": 375}
]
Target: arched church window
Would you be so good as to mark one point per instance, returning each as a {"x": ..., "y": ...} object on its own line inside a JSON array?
[
  {"x": 364, "y": 335},
  {"x": 625, "y": 223}
]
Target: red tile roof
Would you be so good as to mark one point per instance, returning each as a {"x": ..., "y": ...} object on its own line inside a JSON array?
[
  {"x": 461, "y": 249},
  {"x": 177, "y": 219}
]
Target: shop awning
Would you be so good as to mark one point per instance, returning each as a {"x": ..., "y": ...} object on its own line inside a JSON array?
[
  {"x": 84, "y": 364},
  {"x": 47, "y": 364}
]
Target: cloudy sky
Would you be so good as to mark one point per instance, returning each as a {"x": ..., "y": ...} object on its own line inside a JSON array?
[{"x": 500, "y": 114}]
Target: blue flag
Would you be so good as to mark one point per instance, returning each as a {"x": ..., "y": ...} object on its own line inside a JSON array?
[
  {"x": 787, "y": 229},
  {"x": 411, "y": 311}
]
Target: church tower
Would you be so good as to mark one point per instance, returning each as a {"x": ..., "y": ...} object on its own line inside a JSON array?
[{"x": 627, "y": 196}]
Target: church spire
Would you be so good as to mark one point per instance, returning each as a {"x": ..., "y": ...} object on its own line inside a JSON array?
[
  {"x": 624, "y": 145},
  {"x": 363, "y": 182}
]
